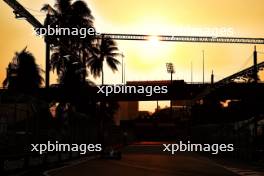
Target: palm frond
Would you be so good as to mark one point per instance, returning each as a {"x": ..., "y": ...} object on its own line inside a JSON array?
[{"x": 112, "y": 63}]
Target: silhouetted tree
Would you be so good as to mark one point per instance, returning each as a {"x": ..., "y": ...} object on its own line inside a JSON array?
[
  {"x": 106, "y": 50},
  {"x": 23, "y": 73},
  {"x": 70, "y": 15}
]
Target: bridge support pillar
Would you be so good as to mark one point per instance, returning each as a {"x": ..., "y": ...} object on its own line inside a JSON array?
[{"x": 255, "y": 66}]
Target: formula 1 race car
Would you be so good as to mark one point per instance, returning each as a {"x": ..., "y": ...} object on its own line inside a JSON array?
[{"x": 111, "y": 153}]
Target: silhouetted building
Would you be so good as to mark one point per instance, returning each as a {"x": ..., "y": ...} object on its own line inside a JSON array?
[
  {"x": 154, "y": 83},
  {"x": 128, "y": 110}
]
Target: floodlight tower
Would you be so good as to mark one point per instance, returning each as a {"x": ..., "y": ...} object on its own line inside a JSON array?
[{"x": 171, "y": 71}]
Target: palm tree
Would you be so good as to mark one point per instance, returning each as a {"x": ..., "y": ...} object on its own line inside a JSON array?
[
  {"x": 23, "y": 73},
  {"x": 105, "y": 51},
  {"x": 70, "y": 15}
]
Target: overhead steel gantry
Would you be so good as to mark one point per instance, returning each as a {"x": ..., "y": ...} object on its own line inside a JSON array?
[
  {"x": 21, "y": 12},
  {"x": 171, "y": 38}
]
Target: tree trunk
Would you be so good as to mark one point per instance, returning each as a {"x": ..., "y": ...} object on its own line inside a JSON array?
[{"x": 102, "y": 74}]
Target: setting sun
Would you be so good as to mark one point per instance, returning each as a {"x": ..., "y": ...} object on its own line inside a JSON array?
[{"x": 154, "y": 41}]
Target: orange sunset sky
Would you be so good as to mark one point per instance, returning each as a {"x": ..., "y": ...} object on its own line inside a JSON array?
[{"x": 145, "y": 60}]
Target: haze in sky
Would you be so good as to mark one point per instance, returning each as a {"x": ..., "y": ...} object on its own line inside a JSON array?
[{"x": 145, "y": 60}]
